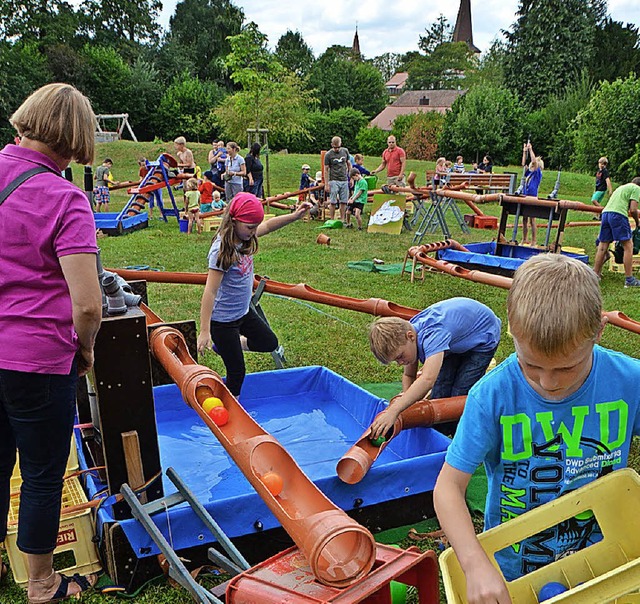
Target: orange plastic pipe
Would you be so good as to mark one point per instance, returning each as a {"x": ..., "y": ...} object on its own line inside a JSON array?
[
  {"x": 356, "y": 462},
  {"x": 374, "y": 306},
  {"x": 339, "y": 550}
]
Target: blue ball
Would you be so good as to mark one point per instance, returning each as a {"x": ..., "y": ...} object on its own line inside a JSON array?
[{"x": 551, "y": 590}]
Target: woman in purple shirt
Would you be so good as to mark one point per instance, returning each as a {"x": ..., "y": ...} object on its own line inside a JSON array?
[{"x": 50, "y": 311}]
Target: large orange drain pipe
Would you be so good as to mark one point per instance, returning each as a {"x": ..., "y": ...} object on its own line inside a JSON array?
[{"x": 339, "y": 550}]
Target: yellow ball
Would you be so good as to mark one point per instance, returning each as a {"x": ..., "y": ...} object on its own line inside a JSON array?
[{"x": 210, "y": 403}]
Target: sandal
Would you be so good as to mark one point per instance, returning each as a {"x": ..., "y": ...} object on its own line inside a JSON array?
[{"x": 63, "y": 589}]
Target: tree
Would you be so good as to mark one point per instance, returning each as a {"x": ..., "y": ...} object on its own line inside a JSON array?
[
  {"x": 201, "y": 29},
  {"x": 186, "y": 109},
  {"x": 608, "y": 125},
  {"x": 487, "y": 119},
  {"x": 387, "y": 64},
  {"x": 42, "y": 21},
  {"x": 617, "y": 53},
  {"x": 292, "y": 52},
  {"x": 421, "y": 139},
  {"x": 446, "y": 67},
  {"x": 24, "y": 70},
  {"x": 552, "y": 42},
  {"x": 271, "y": 96},
  {"x": 341, "y": 82},
  {"x": 440, "y": 32},
  {"x": 113, "y": 22}
]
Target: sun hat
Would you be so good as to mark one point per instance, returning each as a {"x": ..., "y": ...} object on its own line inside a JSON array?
[{"x": 306, "y": 167}]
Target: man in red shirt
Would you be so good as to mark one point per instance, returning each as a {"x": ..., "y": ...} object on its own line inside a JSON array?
[{"x": 393, "y": 159}]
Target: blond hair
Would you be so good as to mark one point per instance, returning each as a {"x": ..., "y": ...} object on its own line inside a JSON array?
[
  {"x": 554, "y": 304},
  {"x": 603, "y": 160},
  {"x": 191, "y": 184},
  {"x": 61, "y": 117},
  {"x": 536, "y": 163},
  {"x": 181, "y": 140},
  {"x": 386, "y": 335}
]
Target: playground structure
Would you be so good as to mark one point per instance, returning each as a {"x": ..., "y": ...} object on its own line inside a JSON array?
[
  {"x": 340, "y": 556},
  {"x": 102, "y": 135},
  {"x": 161, "y": 174}
]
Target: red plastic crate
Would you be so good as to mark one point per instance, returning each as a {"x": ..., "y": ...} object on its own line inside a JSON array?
[{"x": 287, "y": 579}]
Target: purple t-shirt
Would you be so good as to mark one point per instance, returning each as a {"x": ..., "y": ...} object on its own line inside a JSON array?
[{"x": 45, "y": 218}]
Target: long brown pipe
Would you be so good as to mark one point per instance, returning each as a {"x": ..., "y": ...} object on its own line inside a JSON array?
[
  {"x": 338, "y": 549},
  {"x": 373, "y": 306},
  {"x": 356, "y": 462}
]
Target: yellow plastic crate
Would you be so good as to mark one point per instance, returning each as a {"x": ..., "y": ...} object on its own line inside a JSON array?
[
  {"x": 72, "y": 466},
  {"x": 211, "y": 224},
  {"x": 268, "y": 217},
  {"x": 573, "y": 250},
  {"x": 619, "y": 268},
  {"x": 75, "y": 535},
  {"x": 599, "y": 573}
]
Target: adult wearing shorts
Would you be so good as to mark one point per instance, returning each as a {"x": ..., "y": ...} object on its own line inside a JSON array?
[
  {"x": 394, "y": 159},
  {"x": 337, "y": 166},
  {"x": 615, "y": 227}
]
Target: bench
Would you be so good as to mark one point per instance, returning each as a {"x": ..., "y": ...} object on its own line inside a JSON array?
[{"x": 502, "y": 183}]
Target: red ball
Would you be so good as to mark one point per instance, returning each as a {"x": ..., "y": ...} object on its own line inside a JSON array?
[
  {"x": 219, "y": 415},
  {"x": 273, "y": 482}
]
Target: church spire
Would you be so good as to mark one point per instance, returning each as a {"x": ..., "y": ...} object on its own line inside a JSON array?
[
  {"x": 463, "y": 31},
  {"x": 355, "y": 47}
]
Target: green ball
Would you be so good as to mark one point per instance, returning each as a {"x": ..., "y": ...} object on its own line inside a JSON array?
[{"x": 377, "y": 442}]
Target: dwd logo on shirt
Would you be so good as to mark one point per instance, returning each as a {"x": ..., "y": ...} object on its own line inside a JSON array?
[{"x": 518, "y": 428}]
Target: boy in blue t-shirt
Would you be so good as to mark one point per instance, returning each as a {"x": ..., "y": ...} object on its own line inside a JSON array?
[
  {"x": 455, "y": 339},
  {"x": 553, "y": 417}
]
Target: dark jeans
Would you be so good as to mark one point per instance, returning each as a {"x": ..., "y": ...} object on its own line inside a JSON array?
[
  {"x": 36, "y": 416},
  {"x": 458, "y": 373},
  {"x": 226, "y": 337},
  {"x": 256, "y": 187}
]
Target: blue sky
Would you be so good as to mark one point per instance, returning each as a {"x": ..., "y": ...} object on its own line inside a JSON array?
[{"x": 323, "y": 23}]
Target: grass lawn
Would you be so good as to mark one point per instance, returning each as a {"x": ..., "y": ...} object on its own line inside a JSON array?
[{"x": 313, "y": 334}]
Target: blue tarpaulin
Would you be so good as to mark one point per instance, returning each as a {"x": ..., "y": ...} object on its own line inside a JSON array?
[{"x": 317, "y": 415}]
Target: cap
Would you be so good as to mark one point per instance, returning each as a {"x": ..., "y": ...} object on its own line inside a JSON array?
[
  {"x": 306, "y": 167},
  {"x": 319, "y": 175}
]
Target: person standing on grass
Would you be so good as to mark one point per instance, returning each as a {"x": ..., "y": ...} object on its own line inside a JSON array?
[
  {"x": 394, "y": 159},
  {"x": 235, "y": 170},
  {"x": 186, "y": 161},
  {"x": 358, "y": 199},
  {"x": 603, "y": 183},
  {"x": 255, "y": 171},
  {"x": 615, "y": 227},
  {"x": 532, "y": 180},
  {"x": 50, "y": 313},
  {"x": 336, "y": 177},
  {"x": 228, "y": 323}
]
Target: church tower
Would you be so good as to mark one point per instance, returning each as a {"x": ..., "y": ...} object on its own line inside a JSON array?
[
  {"x": 463, "y": 31},
  {"x": 355, "y": 47}
]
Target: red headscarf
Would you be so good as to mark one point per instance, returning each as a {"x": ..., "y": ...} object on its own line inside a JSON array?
[{"x": 246, "y": 207}]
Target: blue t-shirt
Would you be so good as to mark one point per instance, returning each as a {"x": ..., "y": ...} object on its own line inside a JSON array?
[
  {"x": 235, "y": 291},
  {"x": 221, "y": 160},
  {"x": 361, "y": 169},
  {"x": 532, "y": 182},
  {"x": 234, "y": 165},
  {"x": 535, "y": 450},
  {"x": 456, "y": 325}
]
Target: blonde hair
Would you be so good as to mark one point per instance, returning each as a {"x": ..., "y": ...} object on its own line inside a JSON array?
[
  {"x": 386, "y": 335},
  {"x": 440, "y": 161},
  {"x": 181, "y": 140},
  {"x": 233, "y": 145},
  {"x": 61, "y": 117},
  {"x": 554, "y": 304},
  {"x": 358, "y": 156},
  {"x": 230, "y": 251},
  {"x": 603, "y": 160},
  {"x": 536, "y": 163},
  {"x": 191, "y": 184},
  {"x": 215, "y": 195}
]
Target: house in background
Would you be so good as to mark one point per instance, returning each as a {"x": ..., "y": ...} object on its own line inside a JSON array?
[
  {"x": 395, "y": 85},
  {"x": 415, "y": 101}
]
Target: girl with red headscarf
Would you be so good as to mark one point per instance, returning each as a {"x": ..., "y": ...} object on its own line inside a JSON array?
[{"x": 228, "y": 323}]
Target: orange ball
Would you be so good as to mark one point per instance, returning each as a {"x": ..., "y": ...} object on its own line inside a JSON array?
[
  {"x": 273, "y": 482},
  {"x": 211, "y": 402},
  {"x": 219, "y": 415}
]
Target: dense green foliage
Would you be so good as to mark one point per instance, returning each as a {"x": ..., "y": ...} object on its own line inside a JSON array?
[
  {"x": 609, "y": 125},
  {"x": 487, "y": 119}
]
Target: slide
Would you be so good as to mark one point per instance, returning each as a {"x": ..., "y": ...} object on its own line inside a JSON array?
[{"x": 339, "y": 550}]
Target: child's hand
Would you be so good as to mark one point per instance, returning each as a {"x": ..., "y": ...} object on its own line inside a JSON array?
[
  {"x": 383, "y": 422},
  {"x": 485, "y": 584},
  {"x": 302, "y": 208},
  {"x": 204, "y": 342}
]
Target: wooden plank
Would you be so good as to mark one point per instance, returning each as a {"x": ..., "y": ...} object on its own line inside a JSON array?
[{"x": 133, "y": 462}]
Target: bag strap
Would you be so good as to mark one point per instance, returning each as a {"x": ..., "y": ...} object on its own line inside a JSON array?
[{"x": 18, "y": 180}]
